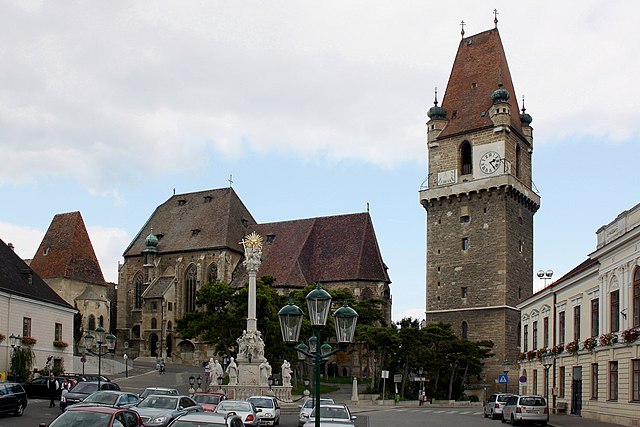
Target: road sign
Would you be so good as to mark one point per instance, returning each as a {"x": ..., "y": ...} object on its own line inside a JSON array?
[
  {"x": 523, "y": 379},
  {"x": 503, "y": 379},
  {"x": 385, "y": 374},
  {"x": 397, "y": 378}
]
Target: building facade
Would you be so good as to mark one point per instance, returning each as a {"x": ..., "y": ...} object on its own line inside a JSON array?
[
  {"x": 585, "y": 328},
  {"x": 67, "y": 262},
  {"x": 479, "y": 201},
  {"x": 33, "y": 311},
  {"x": 193, "y": 239}
]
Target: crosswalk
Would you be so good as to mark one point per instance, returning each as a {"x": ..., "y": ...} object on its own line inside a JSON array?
[{"x": 437, "y": 411}]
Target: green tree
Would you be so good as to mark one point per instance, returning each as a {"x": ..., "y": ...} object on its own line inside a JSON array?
[{"x": 21, "y": 363}]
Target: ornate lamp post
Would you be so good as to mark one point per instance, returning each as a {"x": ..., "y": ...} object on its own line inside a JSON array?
[
  {"x": 15, "y": 342},
  {"x": 547, "y": 362},
  {"x": 126, "y": 359},
  {"x": 318, "y": 304},
  {"x": 192, "y": 381},
  {"x": 199, "y": 381},
  {"x": 505, "y": 369},
  {"x": 220, "y": 379},
  {"x": 100, "y": 341}
]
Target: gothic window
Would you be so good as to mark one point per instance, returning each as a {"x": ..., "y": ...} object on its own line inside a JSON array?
[
  {"x": 154, "y": 323},
  {"x": 465, "y": 158},
  {"x": 595, "y": 317},
  {"x": 636, "y": 298},
  {"x": 101, "y": 321},
  {"x": 92, "y": 323},
  {"x": 190, "y": 289},
  {"x": 615, "y": 311},
  {"x": 366, "y": 294},
  {"x": 137, "y": 289},
  {"x": 212, "y": 273},
  {"x": 169, "y": 325},
  {"x": 465, "y": 330},
  {"x": 518, "y": 161},
  {"x": 135, "y": 331}
]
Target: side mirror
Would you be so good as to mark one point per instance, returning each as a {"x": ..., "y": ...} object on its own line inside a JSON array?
[
  {"x": 180, "y": 408},
  {"x": 258, "y": 410},
  {"x": 42, "y": 425}
]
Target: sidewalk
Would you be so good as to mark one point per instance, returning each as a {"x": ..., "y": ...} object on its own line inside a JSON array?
[{"x": 576, "y": 421}]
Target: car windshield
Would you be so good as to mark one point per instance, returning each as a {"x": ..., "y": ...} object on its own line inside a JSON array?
[
  {"x": 102, "y": 397},
  {"x": 183, "y": 423},
  {"x": 503, "y": 397},
  {"x": 260, "y": 402},
  {"x": 85, "y": 388},
  {"x": 159, "y": 402},
  {"x": 150, "y": 391},
  {"x": 211, "y": 399},
  {"x": 234, "y": 406},
  {"x": 332, "y": 412},
  {"x": 532, "y": 401},
  {"x": 310, "y": 403},
  {"x": 81, "y": 419}
]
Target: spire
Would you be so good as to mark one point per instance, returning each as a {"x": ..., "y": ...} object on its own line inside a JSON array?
[
  {"x": 435, "y": 112},
  {"x": 479, "y": 60},
  {"x": 525, "y": 118},
  {"x": 462, "y": 32},
  {"x": 495, "y": 18}
]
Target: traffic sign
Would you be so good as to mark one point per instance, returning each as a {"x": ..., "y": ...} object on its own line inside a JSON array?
[
  {"x": 385, "y": 374},
  {"x": 523, "y": 379},
  {"x": 503, "y": 379}
]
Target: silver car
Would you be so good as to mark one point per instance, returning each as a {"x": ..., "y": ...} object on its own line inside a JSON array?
[
  {"x": 270, "y": 414},
  {"x": 332, "y": 414},
  {"x": 495, "y": 403},
  {"x": 530, "y": 409},
  {"x": 207, "y": 419},
  {"x": 242, "y": 408},
  {"x": 307, "y": 408},
  {"x": 160, "y": 410}
]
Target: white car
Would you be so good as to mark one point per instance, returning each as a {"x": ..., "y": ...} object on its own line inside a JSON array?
[
  {"x": 270, "y": 414},
  {"x": 526, "y": 409},
  {"x": 307, "y": 408},
  {"x": 332, "y": 414}
]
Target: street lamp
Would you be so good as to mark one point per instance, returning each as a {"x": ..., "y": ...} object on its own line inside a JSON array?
[
  {"x": 220, "y": 379},
  {"x": 505, "y": 369},
  {"x": 545, "y": 275},
  {"x": 547, "y": 362},
  {"x": 199, "y": 381},
  {"x": 192, "y": 381},
  {"x": 126, "y": 361},
  {"x": 318, "y": 304},
  {"x": 100, "y": 341},
  {"x": 15, "y": 342}
]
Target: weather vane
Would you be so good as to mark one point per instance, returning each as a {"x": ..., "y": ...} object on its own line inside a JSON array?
[
  {"x": 462, "y": 32},
  {"x": 495, "y": 17}
]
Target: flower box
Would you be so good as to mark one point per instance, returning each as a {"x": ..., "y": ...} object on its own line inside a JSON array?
[
  {"x": 573, "y": 347},
  {"x": 531, "y": 354},
  {"x": 557, "y": 349},
  {"x": 60, "y": 344},
  {"x": 590, "y": 343},
  {"x": 628, "y": 336},
  {"x": 2, "y": 338},
  {"x": 608, "y": 339},
  {"x": 541, "y": 352},
  {"x": 29, "y": 340}
]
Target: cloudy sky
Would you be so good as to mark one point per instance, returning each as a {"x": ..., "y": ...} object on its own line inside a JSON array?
[{"x": 313, "y": 108}]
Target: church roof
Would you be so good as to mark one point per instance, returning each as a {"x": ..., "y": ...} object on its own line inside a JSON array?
[
  {"x": 480, "y": 65},
  {"x": 196, "y": 221},
  {"x": 66, "y": 251},
  {"x": 324, "y": 249},
  {"x": 17, "y": 278}
]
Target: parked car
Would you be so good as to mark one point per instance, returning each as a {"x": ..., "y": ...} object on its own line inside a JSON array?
[
  {"x": 97, "y": 416},
  {"x": 331, "y": 414},
  {"x": 159, "y": 391},
  {"x": 113, "y": 398},
  {"x": 13, "y": 398},
  {"x": 207, "y": 419},
  {"x": 37, "y": 388},
  {"x": 83, "y": 389},
  {"x": 244, "y": 409},
  {"x": 521, "y": 409},
  {"x": 493, "y": 406},
  {"x": 159, "y": 410},
  {"x": 94, "y": 377},
  {"x": 209, "y": 401},
  {"x": 270, "y": 414},
  {"x": 307, "y": 407}
]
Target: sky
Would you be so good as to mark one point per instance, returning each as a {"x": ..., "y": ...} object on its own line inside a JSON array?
[{"x": 307, "y": 109}]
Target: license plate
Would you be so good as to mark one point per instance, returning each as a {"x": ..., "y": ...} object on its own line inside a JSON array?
[{"x": 532, "y": 411}]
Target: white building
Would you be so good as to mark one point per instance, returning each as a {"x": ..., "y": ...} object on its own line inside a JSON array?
[
  {"x": 30, "y": 308},
  {"x": 587, "y": 323}
]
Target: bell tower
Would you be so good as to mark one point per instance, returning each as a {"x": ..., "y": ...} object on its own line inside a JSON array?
[{"x": 480, "y": 202}]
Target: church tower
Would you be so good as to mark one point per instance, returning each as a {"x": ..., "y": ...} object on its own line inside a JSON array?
[{"x": 480, "y": 202}]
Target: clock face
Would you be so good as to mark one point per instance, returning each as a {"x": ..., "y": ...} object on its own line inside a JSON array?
[{"x": 490, "y": 162}]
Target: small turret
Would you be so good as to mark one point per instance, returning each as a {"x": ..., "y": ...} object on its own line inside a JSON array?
[
  {"x": 500, "y": 111},
  {"x": 437, "y": 120},
  {"x": 526, "y": 120}
]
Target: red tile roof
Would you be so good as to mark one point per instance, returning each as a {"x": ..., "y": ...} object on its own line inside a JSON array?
[
  {"x": 474, "y": 77},
  {"x": 66, "y": 251}
]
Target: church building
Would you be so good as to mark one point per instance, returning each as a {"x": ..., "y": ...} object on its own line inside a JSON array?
[
  {"x": 193, "y": 239},
  {"x": 480, "y": 202}
]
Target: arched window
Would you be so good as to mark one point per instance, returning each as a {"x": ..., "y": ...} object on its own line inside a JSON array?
[
  {"x": 212, "y": 273},
  {"x": 154, "y": 323},
  {"x": 101, "y": 321},
  {"x": 190, "y": 289},
  {"x": 465, "y": 330},
  {"x": 92, "y": 323},
  {"x": 466, "y": 158},
  {"x": 518, "y": 160},
  {"x": 137, "y": 289},
  {"x": 636, "y": 298},
  {"x": 169, "y": 325}
]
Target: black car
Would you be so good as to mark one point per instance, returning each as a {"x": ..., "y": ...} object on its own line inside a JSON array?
[
  {"x": 82, "y": 390},
  {"x": 37, "y": 388},
  {"x": 13, "y": 398}
]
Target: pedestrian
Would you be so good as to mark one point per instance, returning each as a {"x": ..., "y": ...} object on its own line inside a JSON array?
[
  {"x": 52, "y": 386},
  {"x": 66, "y": 386}
]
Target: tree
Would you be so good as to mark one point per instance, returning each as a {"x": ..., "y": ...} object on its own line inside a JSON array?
[{"x": 22, "y": 362}]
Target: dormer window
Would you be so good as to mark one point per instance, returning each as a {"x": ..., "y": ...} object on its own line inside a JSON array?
[
  {"x": 195, "y": 232},
  {"x": 270, "y": 238},
  {"x": 208, "y": 199},
  {"x": 45, "y": 252},
  {"x": 245, "y": 222},
  {"x": 182, "y": 202}
]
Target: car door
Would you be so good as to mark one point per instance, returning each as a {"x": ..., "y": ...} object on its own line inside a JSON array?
[
  {"x": 188, "y": 405},
  {"x": 38, "y": 388}
]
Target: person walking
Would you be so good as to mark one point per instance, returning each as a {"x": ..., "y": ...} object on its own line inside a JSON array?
[{"x": 52, "y": 386}]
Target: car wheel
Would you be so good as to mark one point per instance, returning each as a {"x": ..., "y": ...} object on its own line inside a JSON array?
[
  {"x": 513, "y": 420},
  {"x": 502, "y": 419},
  {"x": 493, "y": 415},
  {"x": 19, "y": 409},
  {"x": 543, "y": 424}
]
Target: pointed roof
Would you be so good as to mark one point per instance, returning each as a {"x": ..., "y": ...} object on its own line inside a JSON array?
[
  {"x": 17, "y": 278},
  {"x": 480, "y": 65},
  {"x": 66, "y": 251},
  {"x": 196, "y": 221},
  {"x": 325, "y": 249}
]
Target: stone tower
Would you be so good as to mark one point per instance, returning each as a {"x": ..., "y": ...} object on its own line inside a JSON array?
[{"x": 479, "y": 201}]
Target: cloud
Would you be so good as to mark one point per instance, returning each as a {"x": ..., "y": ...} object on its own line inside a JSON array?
[{"x": 24, "y": 239}]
